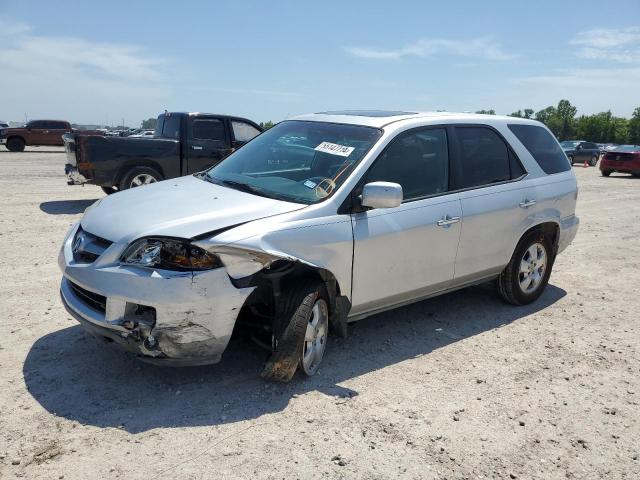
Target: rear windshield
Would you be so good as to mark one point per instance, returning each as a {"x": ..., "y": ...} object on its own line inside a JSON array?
[{"x": 543, "y": 147}]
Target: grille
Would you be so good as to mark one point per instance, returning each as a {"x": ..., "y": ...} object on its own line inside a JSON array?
[
  {"x": 95, "y": 301},
  {"x": 87, "y": 247}
]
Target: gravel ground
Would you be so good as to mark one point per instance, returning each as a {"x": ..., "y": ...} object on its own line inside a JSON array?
[{"x": 461, "y": 386}]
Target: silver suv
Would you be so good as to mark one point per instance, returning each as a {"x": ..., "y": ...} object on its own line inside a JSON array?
[{"x": 322, "y": 220}]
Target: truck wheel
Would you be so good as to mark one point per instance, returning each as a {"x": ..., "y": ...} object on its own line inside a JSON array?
[
  {"x": 304, "y": 320},
  {"x": 15, "y": 144},
  {"x": 525, "y": 277},
  {"x": 109, "y": 190},
  {"x": 139, "y": 176}
]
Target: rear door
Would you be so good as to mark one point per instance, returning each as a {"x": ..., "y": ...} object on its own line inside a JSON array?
[
  {"x": 54, "y": 132},
  {"x": 496, "y": 201},
  {"x": 407, "y": 252},
  {"x": 208, "y": 142}
]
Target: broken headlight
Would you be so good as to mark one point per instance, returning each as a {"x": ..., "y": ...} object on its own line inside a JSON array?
[{"x": 169, "y": 254}]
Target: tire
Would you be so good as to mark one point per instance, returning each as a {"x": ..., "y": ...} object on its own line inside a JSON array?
[
  {"x": 15, "y": 144},
  {"x": 109, "y": 190},
  {"x": 571, "y": 159},
  {"x": 511, "y": 279},
  {"x": 139, "y": 176},
  {"x": 291, "y": 338},
  {"x": 605, "y": 173},
  {"x": 594, "y": 161}
]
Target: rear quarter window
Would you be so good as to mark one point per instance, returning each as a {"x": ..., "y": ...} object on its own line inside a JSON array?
[{"x": 543, "y": 148}]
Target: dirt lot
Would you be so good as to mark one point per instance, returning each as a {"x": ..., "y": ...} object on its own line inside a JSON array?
[{"x": 462, "y": 386}]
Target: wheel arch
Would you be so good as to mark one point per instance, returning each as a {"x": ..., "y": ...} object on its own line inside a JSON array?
[
  {"x": 271, "y": 283},
  {"x": 550, "y": 228},
  {"x": 135, "y": 163}
]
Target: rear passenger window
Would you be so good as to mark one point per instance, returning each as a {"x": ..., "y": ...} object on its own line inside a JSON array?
[
  {"x": 171, "y": 128},
  {"x": 484, "y": 158},
  {"x": 417, "y": 160},
  {"x": 542, "y": 147},
  {"x": 243, "y": 132},
  {"x": 208, "y": 129}
]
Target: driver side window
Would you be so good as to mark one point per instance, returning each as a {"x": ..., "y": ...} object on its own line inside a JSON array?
[{"x": 418, "y": 160}]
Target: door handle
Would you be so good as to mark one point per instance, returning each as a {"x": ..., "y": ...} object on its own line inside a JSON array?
[
  {"x": 196, "y": 147},
  {"x": 447, "y": 220},
  {"x": 527, "y": 203}
]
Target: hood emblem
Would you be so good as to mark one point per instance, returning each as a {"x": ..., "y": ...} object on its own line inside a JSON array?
[{"x": 78, "y": 243}]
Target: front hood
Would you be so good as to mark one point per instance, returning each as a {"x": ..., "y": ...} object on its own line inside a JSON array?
[{"x": 183, "y": 207}]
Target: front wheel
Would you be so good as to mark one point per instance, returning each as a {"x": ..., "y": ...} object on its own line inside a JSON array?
[
  {"x": 571, "y": 159},
  {"x": 525, "y": 277},
  {"x": 108, "y": 190},
  {"x": 594, "y": 161},
  {"x": 605, "y": 173},
  {"x": 15, "y": 144},
  {"x": 138, "y": 177},
  {"x": 301, "y": 330}
]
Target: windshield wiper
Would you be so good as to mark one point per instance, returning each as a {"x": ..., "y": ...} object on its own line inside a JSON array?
[{"x": 243, "y": 187}]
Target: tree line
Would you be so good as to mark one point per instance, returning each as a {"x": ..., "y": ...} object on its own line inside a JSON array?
[{"x": 601, "y": 127}]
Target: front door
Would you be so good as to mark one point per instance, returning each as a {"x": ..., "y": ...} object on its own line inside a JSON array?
[
  {"x": 406, "y": 252},
  {"x": 208, "y": 143}
]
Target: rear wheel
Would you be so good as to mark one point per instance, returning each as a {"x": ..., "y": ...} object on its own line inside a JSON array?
[
  {"x": 605, "y": 173},
  {"x": 571, "y": 159},
  {"x": 300, "y": 333},
  {"x": 139, "y": 176},
  {"x": 525, "y": 277},
  {"x": 594, "y": 161},
  {"x": 15, "y": 144}
]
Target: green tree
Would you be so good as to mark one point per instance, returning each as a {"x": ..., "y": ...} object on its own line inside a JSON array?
[
  {"x": 528, "y": 112},
  {"x": 487, "y": 112},
  {"x": 634, "y": 128},
  {"x": 149, "y": 124},
  {"x": 566, "y": 115},
  {"x": 517, "y": 114},
  {"x": 266, "y": 125}
]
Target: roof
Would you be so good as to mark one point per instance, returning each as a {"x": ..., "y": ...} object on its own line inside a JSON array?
[{"x": 381, "y": 118}]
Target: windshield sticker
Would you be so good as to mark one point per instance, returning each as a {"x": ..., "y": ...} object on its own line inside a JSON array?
[
  {"x": 334, "y": 149},
  {"x": 310, "y": 184}
]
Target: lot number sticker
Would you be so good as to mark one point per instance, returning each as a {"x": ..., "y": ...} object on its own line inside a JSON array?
[{"x": 334, "y": 149}]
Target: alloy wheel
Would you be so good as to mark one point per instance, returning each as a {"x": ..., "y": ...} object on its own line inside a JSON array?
[
  {"x": 315, "y": 339},
  {"x": 142, "y": 179},
  {"x": 533, "y": 266}
]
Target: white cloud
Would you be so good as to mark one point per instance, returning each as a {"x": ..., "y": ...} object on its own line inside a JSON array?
[
  {"x": 484, "y": 48},
  {"x": 617, "y": 45},
  {"x": 72, "y": 78},
  {"x": 591, "y": 90}
]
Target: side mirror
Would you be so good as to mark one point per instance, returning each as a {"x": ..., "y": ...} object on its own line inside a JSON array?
[{"x": 381, "y": 195}]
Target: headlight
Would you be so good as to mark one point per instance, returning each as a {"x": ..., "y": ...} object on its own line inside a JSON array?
[{"x": 169, "y": 254}]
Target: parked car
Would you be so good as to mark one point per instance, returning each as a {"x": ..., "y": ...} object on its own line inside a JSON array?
[
  {"x": 4, "y": 125},
  {"x": 35, "y": 133},
  {"x": 581, "y": 151},
  {"x": 321, "y": 220},
  {"x": 143, "y": 134},
  {"x": 623, "y": 159},
  {"x": 183, "y": 143}
]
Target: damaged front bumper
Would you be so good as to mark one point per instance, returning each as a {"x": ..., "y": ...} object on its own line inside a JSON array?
[{"x": 170, "y": 318}]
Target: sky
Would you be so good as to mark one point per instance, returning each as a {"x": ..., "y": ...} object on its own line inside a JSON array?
[{"x": 101, "y": 62}]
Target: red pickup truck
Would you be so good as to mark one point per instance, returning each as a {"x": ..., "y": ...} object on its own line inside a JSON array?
[{"x": 35, "y": 133}]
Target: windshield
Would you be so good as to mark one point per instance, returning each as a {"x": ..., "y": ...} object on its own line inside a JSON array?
[
  {"x": 296, "y": 161},
  {"x": 569, "y": 144}
]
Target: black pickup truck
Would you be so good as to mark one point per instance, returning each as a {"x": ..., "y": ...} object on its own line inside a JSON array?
[{"x": 183, "y": 143}]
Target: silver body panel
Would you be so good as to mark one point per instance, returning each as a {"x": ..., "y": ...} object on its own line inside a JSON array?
[{"x": 380, "y": 258}]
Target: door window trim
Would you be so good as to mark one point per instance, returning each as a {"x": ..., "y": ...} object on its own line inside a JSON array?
[
  {"x": 457, "y": 155},
  {"x": 225, "y": 126}
]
